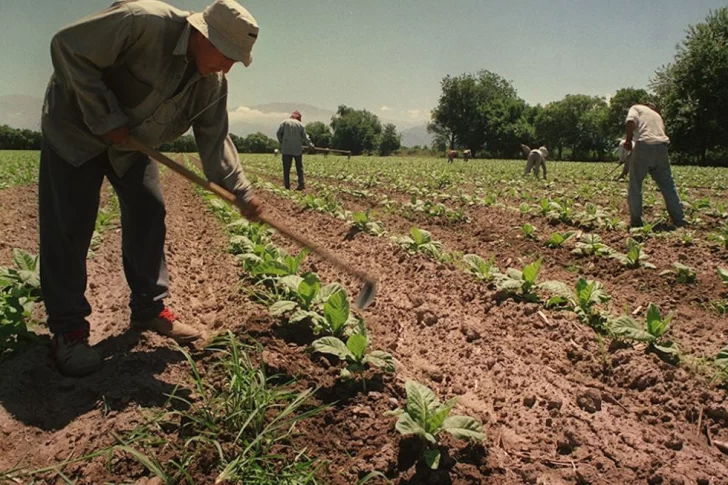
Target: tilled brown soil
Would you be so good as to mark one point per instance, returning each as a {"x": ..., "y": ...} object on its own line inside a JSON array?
[{"x": 557, "y": 406}]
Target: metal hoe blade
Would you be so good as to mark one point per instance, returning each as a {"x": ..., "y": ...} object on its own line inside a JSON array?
[{"x": 366, "y": 295}]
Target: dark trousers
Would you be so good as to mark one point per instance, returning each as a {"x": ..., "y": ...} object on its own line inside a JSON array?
[
  {"x": 68, "y": 203},
  {"x": 287, "y": 161}
]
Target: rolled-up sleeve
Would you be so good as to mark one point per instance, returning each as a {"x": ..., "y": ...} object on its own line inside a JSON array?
[
  {"x": 81, "y": 51},
  {"x": 220, "y": 159}
]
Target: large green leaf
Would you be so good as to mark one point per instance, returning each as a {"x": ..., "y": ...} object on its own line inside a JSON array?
[
  {"x": 336, "y": 311},
  {"x": 464, "y": 427},
  {"x": 557, "y": 288},
  {"x": 439, "y": 416},
  {"x": 24, "y": 260},
  {"x": 420, "y": 236},
  {"x": 656, "y": 325},
  {"x": 309, "y": 288},
  {"x": 381, "y": 359},
  {"x": 723, "y": 275},
  {"x": 530, "y": 271},
  {"x": 357, "y": 345},
  {"x": 721, "y": 360},
  {"x": 421, "y": 402},
  {"x": 626, "y": 327},
  {"x": 328, "y": 290},
  {"x": 333, "y": 346},
  {"x": 280, "y": 307},
  {"x": 432, "y": 457},
  {"x": 407, "y": 426},
  {"x": 290, "y": 282}
]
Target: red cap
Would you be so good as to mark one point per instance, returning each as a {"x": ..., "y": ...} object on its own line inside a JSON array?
[{"x": 296, "y": 115}]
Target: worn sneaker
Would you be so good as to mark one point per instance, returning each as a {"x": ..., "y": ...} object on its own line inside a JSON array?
[
  {"x": 682, "y": 223},
  {"x": 166, "y": 324},
  {"x": 73, "y": 355}
]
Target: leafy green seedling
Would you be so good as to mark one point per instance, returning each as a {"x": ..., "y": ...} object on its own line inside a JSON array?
[
  {"x": 354, "y": 353},
  {"x": 425, "y": 416},
  {"x": 583, "y": 301},
  {"x": 652, "y": 332},
  {"x": 635, "y": 257},
  {"x": 480, "y": 268},
  {"x": 683, "y": 274},
  {"x": 420, "y": 241},
  {"x": 528, "y": 231},
  {"x": 363, "y": 222},
  {"x": 591, "y": 245},
  {"x": 558, "y": 239},
  {"x": 723, "y": 275}
]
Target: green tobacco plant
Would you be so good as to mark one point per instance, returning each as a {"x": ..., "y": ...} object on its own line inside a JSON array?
[
  {"x": 558, "y": 239},
  {"x": 683, "y": 274},
  {"x": 583, "y": 301},
  {"x": 720, "y": 236},
  {"x": 635, "y": 257},
  {"x": 480, "y": 268},
  {"x": 355, "y": 354},
  {"x": 522, "y": 283},
  {"x": 528, "y": 231},
  {"x": 327, "y": 308},
  {"x": 723, "y": 275},
  {"x": 426, "y": 417},
  {"x": 420, "y": 241},
  {"x": 19, "y": 290},
  {"x": 591, "y": 245},
  {"x": 651, "y": 332},
  {"x": 721, "y": 362},
  {"x": 364, "y": 223}
]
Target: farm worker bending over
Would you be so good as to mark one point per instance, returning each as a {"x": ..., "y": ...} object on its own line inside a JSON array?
[
  {"x": 292, "y": 136},
  {"x": 466, "y": 155},
  {"x": 451, "y": 155},
  {"x": 649, "y": 155},
  {"x": 535, "y": 159},
  {"x": 625, "y": 157},
  {"x": 141, "y": 68}
]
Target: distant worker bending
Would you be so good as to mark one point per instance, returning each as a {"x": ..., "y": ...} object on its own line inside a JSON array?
[
  {"x": 536, "y": 159},
  {"x": 292, "y": 136},
  {"x": 649, "y": 155}
]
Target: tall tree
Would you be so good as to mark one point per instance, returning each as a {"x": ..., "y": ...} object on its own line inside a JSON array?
[
  {"x": 391, "y": 141},
  {"x": 319, "y": 133},
  {"x": 620, "y": 103},
  {"x": 479, "y": 110},
  {"x": 355, "y": 130},
  {"x": 693, "y": 89}
]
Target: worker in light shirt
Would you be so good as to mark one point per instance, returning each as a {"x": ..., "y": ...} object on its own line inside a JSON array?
[{"x": 646, "y": 139}]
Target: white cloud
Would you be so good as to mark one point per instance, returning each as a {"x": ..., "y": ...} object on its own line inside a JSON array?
[
  {"x": 385, "y": 108},
  {"x": 418, "y": 115},
  {"x": 246, "y": 114}
]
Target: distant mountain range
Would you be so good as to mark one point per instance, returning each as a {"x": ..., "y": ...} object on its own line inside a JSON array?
[{"x": 20, "y": 111}]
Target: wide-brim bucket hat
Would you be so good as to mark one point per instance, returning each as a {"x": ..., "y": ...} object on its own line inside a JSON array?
[{"x": 229, "y": 27}]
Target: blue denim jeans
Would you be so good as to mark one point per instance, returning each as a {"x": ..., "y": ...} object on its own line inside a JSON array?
[{"x": 652, "y": 159}]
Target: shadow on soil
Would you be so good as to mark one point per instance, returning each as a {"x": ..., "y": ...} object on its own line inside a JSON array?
[{"x": 35, "y": 393}]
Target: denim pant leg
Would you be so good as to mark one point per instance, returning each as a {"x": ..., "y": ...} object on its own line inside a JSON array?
[
  {"x": 68, "y": 200},
  {"x": 639, "y": 166},
  {"x": 287, "y": 161},
  {"x": 299, "y": 170},
  {"x": 662, "y": 175},
  {"x": 143, "y": 233}
]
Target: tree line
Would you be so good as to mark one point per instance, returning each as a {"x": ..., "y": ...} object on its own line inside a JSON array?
[{"x": 482, "y": 111}]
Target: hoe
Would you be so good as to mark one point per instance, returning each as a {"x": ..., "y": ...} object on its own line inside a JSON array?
[{"x": 369, "y": 287}]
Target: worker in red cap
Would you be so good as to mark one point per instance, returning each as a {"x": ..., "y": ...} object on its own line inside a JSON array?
[{"x": 292, "y": 137}]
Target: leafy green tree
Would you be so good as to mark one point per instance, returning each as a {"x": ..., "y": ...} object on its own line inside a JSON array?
[
  {"x": 577, "y": 122},
  {"x": 258, "y": 143},
  {"x": 620, "y": 103},
  {"x": 693, "y": 90},
  {"x": 391, "y": 140},
  {"x": 319, "y": 133},
  {"x": 355, "y": 130},
  {"x": 17, "y": 139},
  {"x": 479, "y": 110}
]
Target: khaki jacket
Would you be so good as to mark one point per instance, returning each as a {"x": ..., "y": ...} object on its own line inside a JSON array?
[{"x": 128, "y": 65}]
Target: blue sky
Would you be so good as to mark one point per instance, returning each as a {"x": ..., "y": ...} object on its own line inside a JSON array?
[{"x": 389, "y": 56}]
